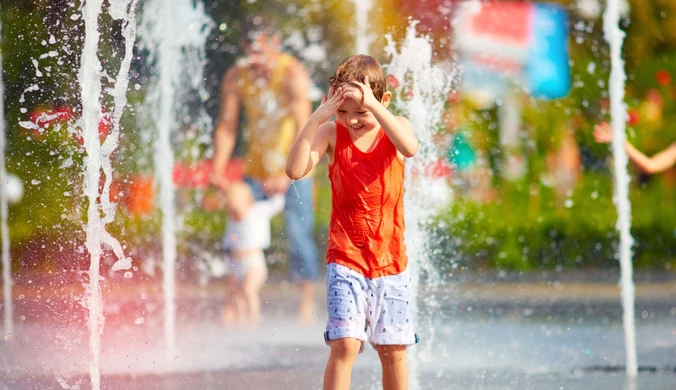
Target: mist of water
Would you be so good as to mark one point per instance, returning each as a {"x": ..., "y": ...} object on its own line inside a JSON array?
[
  {"x": 421, "y": 97},
  {"x": 175, "y": 34},
  {"x": 361, "y": 10},
  {"x": 98, "y": 161},
  {"x": 8, "y": 319},
  {"x": 618, "y": 110}
]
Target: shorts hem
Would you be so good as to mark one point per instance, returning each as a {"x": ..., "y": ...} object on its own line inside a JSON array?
[
  {"x": 388, "y": 339},
  {"x": 344, "y": 333}
]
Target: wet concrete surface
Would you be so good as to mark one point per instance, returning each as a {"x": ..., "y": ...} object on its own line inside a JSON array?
[{"x": 490, "y": 335}]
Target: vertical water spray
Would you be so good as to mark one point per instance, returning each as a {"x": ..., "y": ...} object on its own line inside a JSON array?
[
  {"x": 421, "y": 97},
  {"x": 175, "y": 35},
  {"x": 98, "y": 161},
  {"x": 7, "y": 282},
  {"x": 361, "y": 10},
  {"x": 618, "y": 110}
]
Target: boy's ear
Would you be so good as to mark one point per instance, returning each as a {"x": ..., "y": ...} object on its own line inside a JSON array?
[{"x": 387, "y": 96}]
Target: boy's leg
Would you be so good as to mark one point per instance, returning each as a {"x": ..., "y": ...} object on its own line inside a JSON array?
[
  {"x": 345, "y": 327},
  {"x": 303, "y": 256},
  {"x": 395, "y": 366},
  {"x": 338, "y": 372},
  {"x": 391, "y": 325}
]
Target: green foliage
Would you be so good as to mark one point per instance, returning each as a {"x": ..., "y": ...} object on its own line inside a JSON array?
[{"x": 527, "y": 229}]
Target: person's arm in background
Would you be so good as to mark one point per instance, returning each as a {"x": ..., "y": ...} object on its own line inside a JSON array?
[
  {"x": 225, "y": 133},
  {"x": 297, "y": 86},
  {"x": 660, "y": 162}
]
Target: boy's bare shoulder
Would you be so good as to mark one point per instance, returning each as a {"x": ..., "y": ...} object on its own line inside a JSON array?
[
  {"x": 403, "y": 119},
  {"x": 328, "y": 128}
]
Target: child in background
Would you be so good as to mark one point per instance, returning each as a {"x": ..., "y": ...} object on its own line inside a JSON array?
[
  {"x": 660, "y": 162},
  {"x": 368, "y": 283},
  {"x": 246, "y": 235}
]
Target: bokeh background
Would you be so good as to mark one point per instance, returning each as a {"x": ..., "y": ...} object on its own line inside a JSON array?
[{"x": 541, "y": 201}]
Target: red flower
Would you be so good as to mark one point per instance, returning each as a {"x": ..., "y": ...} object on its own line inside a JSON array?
[
  {"x": 663, "y": 77},
  {"x": 453, "y": 97},
  {"x": 634, "y": 117},
  {"x": 392, "y": 81},
  {"x": 105, "y": 125},
  {"x": 47, "y": 117}
]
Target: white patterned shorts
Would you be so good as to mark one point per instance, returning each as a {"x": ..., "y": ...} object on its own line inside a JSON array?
[{"x": 357, "y": 304}]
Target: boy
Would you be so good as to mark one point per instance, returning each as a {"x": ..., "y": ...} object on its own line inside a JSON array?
[
  {"x": 247, "y": 234},
  {"x": 368, "y": 284}
]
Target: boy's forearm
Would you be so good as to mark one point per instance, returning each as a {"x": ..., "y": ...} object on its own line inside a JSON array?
[
  {"x": 403, "y": 140},
  {"x": 299, "y": 155}
]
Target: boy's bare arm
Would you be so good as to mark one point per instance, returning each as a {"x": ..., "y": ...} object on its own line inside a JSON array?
[
  {"x": 314, "y": 139},
  {"x": 310, "y": 145},
  {"x": 225, "y": 132},
  {"x": 398, "y": 129}
]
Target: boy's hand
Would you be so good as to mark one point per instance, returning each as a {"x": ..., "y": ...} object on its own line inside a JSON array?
[
  {"x": 329, "y": 105},
  {"x": 361, "y": 93}
]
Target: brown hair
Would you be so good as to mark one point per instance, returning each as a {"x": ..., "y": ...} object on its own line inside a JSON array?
[{"x": 354, "y": 68}]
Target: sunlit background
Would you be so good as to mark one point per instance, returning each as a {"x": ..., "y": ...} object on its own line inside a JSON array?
[{"x": 515, "y": 224}]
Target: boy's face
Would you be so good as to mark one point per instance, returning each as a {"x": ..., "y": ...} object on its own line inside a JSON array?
[{"x": 357, "y": 118}]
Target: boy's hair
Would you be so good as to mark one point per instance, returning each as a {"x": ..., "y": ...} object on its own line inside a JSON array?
[{"x": 354, "y": 68}]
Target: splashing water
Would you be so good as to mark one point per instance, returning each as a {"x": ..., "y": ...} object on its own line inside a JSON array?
[
  {"x": 6, "y": 262},
  {"x": 175, "y": 35},
  {"x": 421, "y": 97},
  {"x": 97, "y": 160},
  {"x": 618, "y": 111},
  {"x": 361, "y": 10}
]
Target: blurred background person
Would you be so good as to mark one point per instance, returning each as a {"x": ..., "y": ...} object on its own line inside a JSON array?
[
  {"x": 659, "y": 162},
  {"x": 272, "y": 87}
]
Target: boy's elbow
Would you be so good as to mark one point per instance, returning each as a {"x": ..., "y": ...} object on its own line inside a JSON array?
[
  {"x": 411, "y": 150},
  {"x": 293, "y": 174}
]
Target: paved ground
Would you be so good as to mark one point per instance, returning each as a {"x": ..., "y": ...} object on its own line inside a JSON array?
[{"x": 487, "y": 333}]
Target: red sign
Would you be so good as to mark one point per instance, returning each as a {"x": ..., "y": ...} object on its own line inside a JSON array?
[{"x": 196, "y": 175}]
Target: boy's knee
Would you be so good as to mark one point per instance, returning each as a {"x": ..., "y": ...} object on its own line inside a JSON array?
[
  {"x": 391, "y": 352},
  {"x": 347, "y": 348}
]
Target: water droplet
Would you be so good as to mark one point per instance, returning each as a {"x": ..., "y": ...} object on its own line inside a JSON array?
[
  {"x": 128, "y": 275},
  {"x": 139, "y": 321}
]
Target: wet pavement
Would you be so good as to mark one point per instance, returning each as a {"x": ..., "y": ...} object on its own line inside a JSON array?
[{"x": 488, "y": 335}]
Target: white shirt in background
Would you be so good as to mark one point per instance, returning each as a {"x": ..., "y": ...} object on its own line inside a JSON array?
[{"x": 253, "y": 231}]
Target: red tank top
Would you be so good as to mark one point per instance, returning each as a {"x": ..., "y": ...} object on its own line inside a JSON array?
[{"x": 366, "y": 230}]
